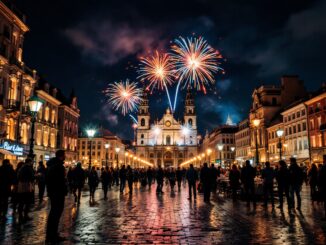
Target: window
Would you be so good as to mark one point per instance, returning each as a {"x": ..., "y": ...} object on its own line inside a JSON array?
[
  {"x": 290, "y": 130},
  {"x": 313, "y": 141},
  {"x": 142, "y": 136},
  {"x": 294, "y": 129},
  {"x": 46, "y": 136},
  {"x": 46, "y": 114},
  {"x": 293, "y": 116},
  {"x": 274, "y": 101},
  {"x": 305, "y": 144},
  {"x": 299, "y": 128},
  {"x": 318, "y": 122},
  {"x": 289, "y": 118},
  {"x": 286, "y": 131},
  {"x": 303, "y": 112},
  {"x": 11, "y": 129},
  {"x": 312, "y": 125},
  {"x": 190, "y": 122},
  {"x": 285, "y": 119},
  {"x": 298, "y": 114},
  {"x": 168, "y": 140},
  {"x": 141, "y": 142},
  {"x": 304, "y": 126},
  {"x": 142, "y": 122},
  {"x": 13, "y": 89},
  {"x": 24, "y": 133},
  {"x": 53, "y": 116}
]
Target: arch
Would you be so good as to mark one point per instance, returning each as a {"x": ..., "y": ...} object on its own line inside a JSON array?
[
  {"x": 142, "y": 136},
  {"x": 151, "y": 155},
  {"x": 142, "y": 122},
  {"x": 190, "y": 121},
  {"x": 180, "y": 155},
  {"x": 159, "y": 155},
  {"x": 168, "y": 155},
  {"x": 168, "y": 140}
]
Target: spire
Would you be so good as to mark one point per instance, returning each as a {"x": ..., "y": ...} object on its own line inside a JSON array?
[{"x": 229, "y": 121}]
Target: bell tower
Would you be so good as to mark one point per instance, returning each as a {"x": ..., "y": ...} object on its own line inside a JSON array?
[
  {"x": 190, "y": 118},
  {"x": 143, "y": 121}
]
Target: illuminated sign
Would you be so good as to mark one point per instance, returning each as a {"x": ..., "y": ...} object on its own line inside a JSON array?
[{"x": 15, "y": 149}]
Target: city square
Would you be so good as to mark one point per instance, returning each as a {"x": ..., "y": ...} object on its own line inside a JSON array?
[{"x": 162, "y": 122}]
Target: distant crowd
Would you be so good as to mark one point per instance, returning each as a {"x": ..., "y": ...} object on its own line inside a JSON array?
[{"x": 18, "y": 185}]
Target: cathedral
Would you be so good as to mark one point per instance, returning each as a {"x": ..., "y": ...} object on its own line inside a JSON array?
[{"x": 167, "y": 142}]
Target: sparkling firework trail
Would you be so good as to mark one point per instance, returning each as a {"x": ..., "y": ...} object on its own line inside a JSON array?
[
  {"x": 158, "y": 71},
  {"x": 124, "y": 96},
  {"x": 195, "y": 63},
  {"x": 133, "y": 119}
]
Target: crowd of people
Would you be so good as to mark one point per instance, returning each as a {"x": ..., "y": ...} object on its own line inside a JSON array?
[{"x": 18, "y": 185}]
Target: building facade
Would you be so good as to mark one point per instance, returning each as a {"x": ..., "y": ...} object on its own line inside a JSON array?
[
  {"x": 93, "y": 151},
  {"x": 273, "y": 153},
  {"x": 167, "y": 142},
  {"x": 267, "y": 102},
  {"x": 242, "y": 142},
  {"x": 68, "y": 127},
  {"x": 225, "y": 137},
  {"x": 316, "y": 107},
  {"x": 296, "y": 142}
]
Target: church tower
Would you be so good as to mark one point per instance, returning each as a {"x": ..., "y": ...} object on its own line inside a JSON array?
[
  {"x": 190, "y": 118},
  {"x": 143, "y": 121},
  {"x": 143, "y": 113}
]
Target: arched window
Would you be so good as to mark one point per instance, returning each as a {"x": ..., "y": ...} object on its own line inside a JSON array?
[
  {"x": 11, "y": 129},
  {"x": 180, "y": 155},
  {"x": 141, "y": 142},
  {"x": 24, "y": 133},
  {"x": 142, "y": 136},
  {"x": 190, "y": 122},
  {"x": 168, "y": 140},
  {"x": 46, "y": 114},
  {"x": 151, "y": 155},
  {"x": 142, "y": 122}
]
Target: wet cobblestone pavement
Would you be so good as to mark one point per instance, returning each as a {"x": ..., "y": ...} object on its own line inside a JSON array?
[{"x": 146, "y": 218}]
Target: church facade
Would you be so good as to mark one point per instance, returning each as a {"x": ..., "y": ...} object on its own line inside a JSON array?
[{"x": 167, "y": 142}]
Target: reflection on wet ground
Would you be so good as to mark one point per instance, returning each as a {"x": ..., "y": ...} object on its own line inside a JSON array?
[{"x": 146, "y": 218}]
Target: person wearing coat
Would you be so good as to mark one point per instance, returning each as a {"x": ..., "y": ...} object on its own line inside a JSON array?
[
  {"x": 234, "y": 177},
  {"x": 206, "y": 180},
  {"x": 105, "y": 179},
  {"x": 93, "y": 181},
  {"x": 7, "y": 177},
  {"x": 192, "y": 177},
  {"x": 78, "y": 181}
]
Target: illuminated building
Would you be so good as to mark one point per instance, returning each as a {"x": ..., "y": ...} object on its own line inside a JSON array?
[
  {"x": 316, "y": 107},
  {"x": 167, "y": 142},
  {"x": 99, "y": 152}
]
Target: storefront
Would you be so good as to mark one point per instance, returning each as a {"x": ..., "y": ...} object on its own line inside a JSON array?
[{"x": 12, "y": 151}]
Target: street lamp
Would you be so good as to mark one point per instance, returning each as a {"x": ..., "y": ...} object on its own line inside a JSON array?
[
  {"x": 117, "y": 150},
  {"x": 107, "y": 146},
  {"x": 220, "y": 148},
  {"x": 256, "y": 123},
  {"x": 90, "y": 133},
  {"x": 232, "y": 148},
  {"x": 280, "y": 133},
  {"x": 34, "y": 104}
]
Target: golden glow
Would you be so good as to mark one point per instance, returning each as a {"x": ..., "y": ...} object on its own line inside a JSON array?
[{"x": 256, "y": 122}]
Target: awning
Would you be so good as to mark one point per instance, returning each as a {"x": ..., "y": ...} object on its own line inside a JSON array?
[{"x": 5, "y": 152}]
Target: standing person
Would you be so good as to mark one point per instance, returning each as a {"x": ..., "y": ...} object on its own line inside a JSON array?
[
  {"x": 149, "y": 174},
  {"x": 159, "y": 180},
  {"x": 122, "y": 176},
  {"x": 70, "y": 179},
  {"x": 105, "y": 179},
  {"x": 192, "y": 177},
  {"x": 206, "y": 180},
  {"x": 234, "y": 177},
  {"x": 79, "y": 177},
  {"x": 172, "y": 176},
  {"x": 14, "y": 193},
  {"x": 130, "y": 178},
  {"x": 296, "y": 181},
  {"x": 268, "y": 175},
  {"x": 7, "y": 177},
  {"x": 116, "y": 176},
  {"x": 179, "y": 174},
  {"x": 40, "y": 178},
  {"x": 214, "y": 173},
  {"x": 322, "y": 184},
  {"x": 56, "y": 185},
  {"x": 92, "y": 183},
  {"x": 313, "y": 181},
  {"x": 248, "y": 175},
  {"x": 25, "y": 189},
  {"x": 282, "y": 177}
]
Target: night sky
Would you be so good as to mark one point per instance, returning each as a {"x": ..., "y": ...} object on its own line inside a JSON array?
[{"x": 87, "y": 44}]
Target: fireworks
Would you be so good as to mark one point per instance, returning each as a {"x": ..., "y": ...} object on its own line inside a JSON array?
[
  {"x": 159, "y": 71},
  {"x": 124, "y": 96},
  {"x": 195, "y": 62}
]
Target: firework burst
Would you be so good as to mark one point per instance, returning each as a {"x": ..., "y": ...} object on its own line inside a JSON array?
[
  {"x": 158, "y": 71},
  {"x": 195, "y": 62},
  {"x": 124, "y": 96}
]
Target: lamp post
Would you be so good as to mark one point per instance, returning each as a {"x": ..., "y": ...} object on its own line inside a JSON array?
[
  {"x": 90, "y": 133},
  {"x": 232, "y": 148},
  {"x": 220, "y": 148},
  {"x": 34, "y": 104},
  {"x": 117, "y": 150},
  {"x": 280, "y": 133},
  {"x": 256, "y": 123},
  {"x": 107, "y": 146}
]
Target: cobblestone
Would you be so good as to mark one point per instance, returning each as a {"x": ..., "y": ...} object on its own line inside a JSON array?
[{"x": 146, "y": 218}]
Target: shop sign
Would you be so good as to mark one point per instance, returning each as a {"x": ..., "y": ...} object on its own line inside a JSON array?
[{"x": 15, "y": 149}]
